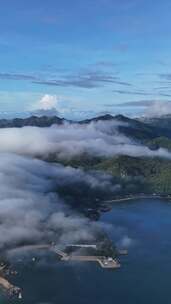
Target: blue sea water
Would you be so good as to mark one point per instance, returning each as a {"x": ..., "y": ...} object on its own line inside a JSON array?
[{"x": 144, "y": 278}]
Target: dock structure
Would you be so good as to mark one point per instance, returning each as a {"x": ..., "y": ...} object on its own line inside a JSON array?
[
  {"x": 61, "y": 253},
  {"x": 105, "y": 262},
  {"x": 34, "y": 247},
  {"x": 83, "y": 246}
]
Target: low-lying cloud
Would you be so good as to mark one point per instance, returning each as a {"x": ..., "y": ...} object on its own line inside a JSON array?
[
  {"x": 158, "y": 108},
  {"x": 70, "y": 140},
  {"x": 31, "y": 209}
]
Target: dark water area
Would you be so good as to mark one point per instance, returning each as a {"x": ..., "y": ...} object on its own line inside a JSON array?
[{"x": 144, "y": 226}]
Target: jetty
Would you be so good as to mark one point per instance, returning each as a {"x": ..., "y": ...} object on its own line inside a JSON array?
[
  {"x": 101, "y": 260},
  {"x": 105, "y": 262}
]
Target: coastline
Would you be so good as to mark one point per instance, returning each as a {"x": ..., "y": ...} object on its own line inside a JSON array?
[
  {"x": 9, "y": 288},
  {"x": 140, "y": 196},
  {"x": 6, "y": 284}
]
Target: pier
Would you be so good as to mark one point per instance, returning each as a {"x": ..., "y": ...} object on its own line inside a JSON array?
[
  {"x": 101, "y": 260},
  {"x": 105, "y": 262}
]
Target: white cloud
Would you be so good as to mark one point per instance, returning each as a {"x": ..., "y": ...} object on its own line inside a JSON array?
[
  {"x": 70, "y": 140},
  {"x": 31, "y": 209},
  {"x": 69, "y": 107},
  {"x": 48, "y": 102},
  {"x": 158, "y": 108}
]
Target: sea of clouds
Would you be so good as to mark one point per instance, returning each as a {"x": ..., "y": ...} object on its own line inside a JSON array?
[
  {"x": 31, "y": 209},
  {"x": 70, "y": 140}
]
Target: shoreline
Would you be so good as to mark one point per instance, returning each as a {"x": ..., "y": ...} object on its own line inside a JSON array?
[
  {"x": 9, "y": 288},
  {"x": 129, "y": 198},
  {"x": 5, "y": 284}
]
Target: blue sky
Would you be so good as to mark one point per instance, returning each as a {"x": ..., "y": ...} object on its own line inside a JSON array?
[{"x": 91, "y": 56}]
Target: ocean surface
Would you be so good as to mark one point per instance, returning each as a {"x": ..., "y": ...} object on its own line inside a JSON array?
[{"x": 144, "y": 226}]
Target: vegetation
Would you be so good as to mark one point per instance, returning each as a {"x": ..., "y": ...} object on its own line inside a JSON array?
[
  {"x": 134, "y": 174},
  {"x": 159, "y": 142},
  {"x": 151, "y": 174}
]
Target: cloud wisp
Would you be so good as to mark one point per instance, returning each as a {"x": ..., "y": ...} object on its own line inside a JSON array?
[{"x": 87, "y": 79}]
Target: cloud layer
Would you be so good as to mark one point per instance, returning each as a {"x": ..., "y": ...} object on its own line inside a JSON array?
[
  {"x": 31, "y": 209},
  {"x": 158, "y": 108},
  {"x": 70, "y": 140}
]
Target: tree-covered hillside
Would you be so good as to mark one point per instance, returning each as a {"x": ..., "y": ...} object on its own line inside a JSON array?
[
  {"x": 135, "y": 174},
  {"x": 155, "y": 173}
]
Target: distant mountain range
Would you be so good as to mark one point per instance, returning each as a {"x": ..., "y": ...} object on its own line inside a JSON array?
[
  {"x": 136, "y": 128},
  {"x": 37, "y": 121}
]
